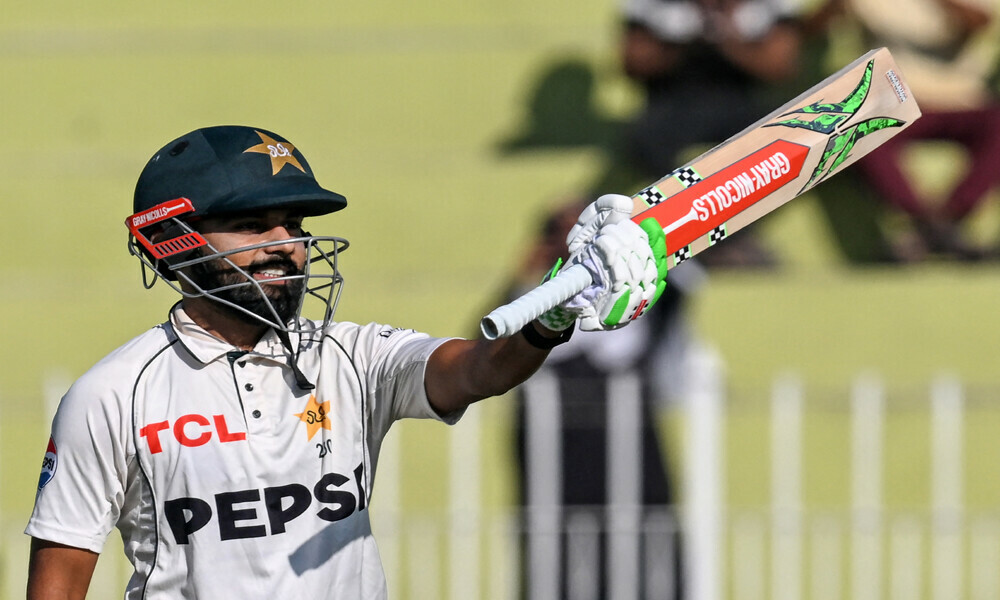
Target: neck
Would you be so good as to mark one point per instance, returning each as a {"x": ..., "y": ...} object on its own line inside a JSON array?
[{"x": 224, "y": 323}]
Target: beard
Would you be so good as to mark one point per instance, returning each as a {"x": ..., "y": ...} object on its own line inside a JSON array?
[{"x": 284, "y": 299}]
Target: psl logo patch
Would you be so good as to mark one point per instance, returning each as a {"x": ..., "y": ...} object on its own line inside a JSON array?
[
  {"x": 48, "y": 464},
  {"x": 280, "y": 153},
  {"x": 315, "y": 416}
]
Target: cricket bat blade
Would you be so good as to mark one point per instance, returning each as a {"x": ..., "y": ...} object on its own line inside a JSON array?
[{"x": 783, "y": 155}]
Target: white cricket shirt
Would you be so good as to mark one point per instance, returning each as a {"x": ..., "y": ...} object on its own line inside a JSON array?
[{"x": 224, "y": 478}]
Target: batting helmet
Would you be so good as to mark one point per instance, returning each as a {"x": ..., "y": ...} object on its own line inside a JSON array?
[
  {"x": 217, "y": 171},
  {"x": 230, "y": 168}
]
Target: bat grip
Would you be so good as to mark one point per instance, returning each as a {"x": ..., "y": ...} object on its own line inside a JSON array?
[{"x": 510, "y": 318}]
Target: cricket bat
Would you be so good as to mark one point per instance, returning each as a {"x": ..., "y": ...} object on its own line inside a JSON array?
[{"x": 785, "y": 154}]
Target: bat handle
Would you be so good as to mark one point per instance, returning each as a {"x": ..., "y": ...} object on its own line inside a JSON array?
[{"x": 510, "y": 318}]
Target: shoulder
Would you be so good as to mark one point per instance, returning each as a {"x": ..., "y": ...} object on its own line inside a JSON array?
[
  {"x": 116, "y": 373},
  {"x": 370, "y": 335},
  {"x": 377, "y": 343}
]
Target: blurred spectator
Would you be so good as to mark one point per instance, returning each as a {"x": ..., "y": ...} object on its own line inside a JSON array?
[
  {"x": 706, "y": 67},
  {"x": 582, "y": 404},
  {"x": 946, "y": 50}
]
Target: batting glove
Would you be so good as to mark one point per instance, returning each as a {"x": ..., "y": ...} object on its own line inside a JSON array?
[{"x": 627, "y": 262}]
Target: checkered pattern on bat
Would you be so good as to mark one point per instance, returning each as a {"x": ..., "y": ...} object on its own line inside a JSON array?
[
  {"x": 651, "y": 195},
  {"x": 687, "y": 176},
  {"x": 682, "y": 255},
  {"x": 718, "y": 234}
]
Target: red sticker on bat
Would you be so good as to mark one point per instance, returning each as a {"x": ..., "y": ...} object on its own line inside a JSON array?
[{"x": 709, "y": 203}]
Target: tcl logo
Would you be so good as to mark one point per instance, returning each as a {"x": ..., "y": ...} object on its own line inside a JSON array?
[{"x": 191, "y": 431}]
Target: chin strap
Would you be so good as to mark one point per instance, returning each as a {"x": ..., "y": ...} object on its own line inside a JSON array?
[{"x": 293, "y": 362}]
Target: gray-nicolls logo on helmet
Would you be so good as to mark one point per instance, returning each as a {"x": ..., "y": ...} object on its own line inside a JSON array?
[{"x": 223, "y": 172}]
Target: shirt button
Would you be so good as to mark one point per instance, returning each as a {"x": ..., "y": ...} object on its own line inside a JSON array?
[
  {"x": 248, "y": 387},
  {"x": 256, "y": 414}
]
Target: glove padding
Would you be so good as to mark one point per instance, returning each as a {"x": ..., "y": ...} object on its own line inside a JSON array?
[{"x": 628, "y": 264}]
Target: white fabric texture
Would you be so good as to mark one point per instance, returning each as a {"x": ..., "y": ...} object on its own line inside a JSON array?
[{"x": 224, "y": 478}]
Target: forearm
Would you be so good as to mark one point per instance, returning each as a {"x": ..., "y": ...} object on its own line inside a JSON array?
[
  {"x": 627, "y": 263},
  {"x": 58, "y": 572},
  {"x": 461, "y": 372}
]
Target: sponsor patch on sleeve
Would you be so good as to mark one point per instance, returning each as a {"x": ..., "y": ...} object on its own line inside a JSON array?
[
  {"x": 388, "y": 331},
  {"x": 48, "y": 464}
]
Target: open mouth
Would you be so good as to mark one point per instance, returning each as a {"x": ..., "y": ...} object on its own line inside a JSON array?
[{"x": 269, "y": 275}]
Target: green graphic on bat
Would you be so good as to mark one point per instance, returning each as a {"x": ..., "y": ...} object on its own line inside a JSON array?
[
  {"x": 839, "y": 147},
  {"x": 829, "y": 117}
]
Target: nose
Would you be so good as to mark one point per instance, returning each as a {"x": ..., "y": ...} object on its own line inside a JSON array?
[{"x": 281, "y": 240}]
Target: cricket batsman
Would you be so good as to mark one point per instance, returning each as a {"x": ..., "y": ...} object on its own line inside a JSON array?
[{"x": 235, "y": 444}]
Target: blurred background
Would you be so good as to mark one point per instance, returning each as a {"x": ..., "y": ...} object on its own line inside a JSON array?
[{"x": 822, "y": 422}]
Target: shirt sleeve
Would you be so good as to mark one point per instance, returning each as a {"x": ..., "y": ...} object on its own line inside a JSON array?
[
  {"x": 397, "y": 375},
  {"x": 81, "y": 490}
]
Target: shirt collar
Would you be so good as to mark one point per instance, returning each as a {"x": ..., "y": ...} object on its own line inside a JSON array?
[{"x": 207, "y": 347}]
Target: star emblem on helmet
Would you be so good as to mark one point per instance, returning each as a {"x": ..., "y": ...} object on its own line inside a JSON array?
[{"x": 280, "y": 152}]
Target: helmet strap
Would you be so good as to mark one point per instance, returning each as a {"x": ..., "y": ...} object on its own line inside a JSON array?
[{"x": 293, "y": 361}]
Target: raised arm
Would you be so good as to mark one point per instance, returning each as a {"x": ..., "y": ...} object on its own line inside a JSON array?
[
  {"x": 461, "y": 372},
  {"x": 627, "y": 263},
  {"x": 58, "y": 572}
]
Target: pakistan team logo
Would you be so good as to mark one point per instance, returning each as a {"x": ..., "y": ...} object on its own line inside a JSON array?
[{"x": 831, "y": 119}]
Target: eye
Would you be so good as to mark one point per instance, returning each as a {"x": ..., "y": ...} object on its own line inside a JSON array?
[{"x": 248, "y": 225}]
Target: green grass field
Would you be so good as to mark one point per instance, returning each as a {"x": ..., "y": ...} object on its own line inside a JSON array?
[{"x": 401, "y": 108}]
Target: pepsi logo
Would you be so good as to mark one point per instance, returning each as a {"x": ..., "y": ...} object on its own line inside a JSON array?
[{"x": 48, "y": 464}]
